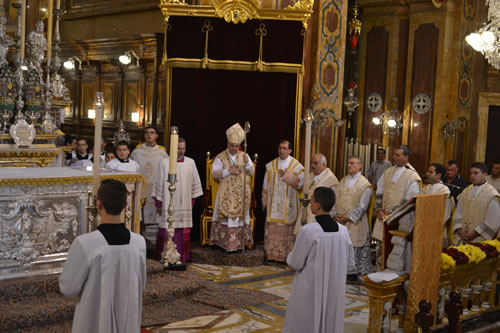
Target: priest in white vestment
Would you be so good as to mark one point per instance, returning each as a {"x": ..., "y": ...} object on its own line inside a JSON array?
[
  {"x": 433, "y": 184},
  {"x": 230, "y": 227},
  {"x": 478, "y": 209},
  {"x": 106, "y": 269},
  {"x": 494, "y": 178},
  {"x": 354, "y": 195},
  {"x": 321, "y": 257},
  {"x": 122, "y": 162},
  {"x": 149, "y": 155},
  {"x": 321, "y": 176},
  {"x": 188, "y": 188},
  {"x": 283, "y": 180}
]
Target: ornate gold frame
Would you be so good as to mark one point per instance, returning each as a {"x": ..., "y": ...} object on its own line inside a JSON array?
[{"x": 236, "y": 11}]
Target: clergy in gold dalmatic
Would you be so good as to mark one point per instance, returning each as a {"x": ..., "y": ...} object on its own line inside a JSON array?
[
  {"x": 321, "y": 176},
  {"x": 353, "y": 199},
  {"x": 230, "y": 228},
  {"x": 280, "y": 195},
  {"x": 478, "y": 209}
]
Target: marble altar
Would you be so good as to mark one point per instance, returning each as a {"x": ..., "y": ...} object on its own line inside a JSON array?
[{"x": 43, "y": 209}]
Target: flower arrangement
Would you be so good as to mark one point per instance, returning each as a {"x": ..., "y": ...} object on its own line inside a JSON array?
[{"x": 469, "y": 253}]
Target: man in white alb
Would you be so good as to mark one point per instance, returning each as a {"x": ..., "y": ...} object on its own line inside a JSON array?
[
  {"x": 188, "y": 188},
  {"x": 122, "y": 162},
  {"x": 149, "y": 155}
]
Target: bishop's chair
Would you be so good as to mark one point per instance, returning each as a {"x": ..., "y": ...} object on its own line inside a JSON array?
[{"x": 210, "y": 196}]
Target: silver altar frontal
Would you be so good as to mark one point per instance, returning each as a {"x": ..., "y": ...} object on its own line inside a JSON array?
[{"x": 42, "y": 210}]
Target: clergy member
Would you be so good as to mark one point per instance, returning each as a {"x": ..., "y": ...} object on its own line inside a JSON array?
[
  {"x": 280, "y": 195},
  {"x": 149, "y": 155},
  {"x": 122, "y": 162},
  {"x": 494, "y": 178},
  {"x": 478, "y": 210},
  {"x": 106, "y": 269},
  {"x": 321, "y": 176},
  {"x": 397, "y": 185},
  {"x": 321, "y": 257},
  {"x": 378, "y": 167},
  {"x": 354, "y": 194},
  {"x": 188, "y": 188},
  {"x": 433, "y": 184},
  {"x": 82, "y": 156},
  {"x": 231, "y": 221},
  {"x": 454, "y": 180}
]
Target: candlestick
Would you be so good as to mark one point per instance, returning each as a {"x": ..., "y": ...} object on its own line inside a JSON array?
[
  {"x": 23, "y": 28},
  {"x": 308, "y": 119},
  {"x": 99, "y": 107},
  {"x": 174, "y": 146},
  {"x": 49, "y": 29}
]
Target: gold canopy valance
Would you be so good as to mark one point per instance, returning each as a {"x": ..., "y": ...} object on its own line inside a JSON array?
[{"x": 237, "y": 11}]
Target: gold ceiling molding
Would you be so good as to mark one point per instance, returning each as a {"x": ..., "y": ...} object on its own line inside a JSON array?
[{"x": 238, "y": 11}]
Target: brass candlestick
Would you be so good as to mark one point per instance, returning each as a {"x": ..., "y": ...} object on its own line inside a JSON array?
[{"x": 170, "y": 257}]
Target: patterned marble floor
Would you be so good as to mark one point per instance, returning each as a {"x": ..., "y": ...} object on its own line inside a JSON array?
[{"x": 267, "y": 317}]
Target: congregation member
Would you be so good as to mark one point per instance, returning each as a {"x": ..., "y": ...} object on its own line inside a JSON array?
[
  {"x": 455, "y": 182},
  {"x": 122, "y": 162},
  {"x": 232, "y": 168},
  {"x": 321, "y": 257},
  {"x": 106, "y": 269},
  {"x": 321, "y": 175},
  {"x": 397, "y": 185},
  {"x": 494, "y": 178},
  {"x": 283, "y": 180},
  {"x": 188, "y": 188},
  {"x": 378, "y": 167},
  {"x": 477, "y": 215},
  {"x": 433, "y": 184},
  {"x": 82, "y": 156},
  {"x": 149, "y": 155},
  {"x": 354, "y": 195}
]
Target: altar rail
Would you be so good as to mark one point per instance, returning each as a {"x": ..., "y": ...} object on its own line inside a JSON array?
[{"x": 477, "y": 283}]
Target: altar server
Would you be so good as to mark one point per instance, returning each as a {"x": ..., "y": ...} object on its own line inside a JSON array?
[
  {"x": 106, "y": 269},
  {"x": 478, "y": 210},
  {"x": 230, "y": 228},
  {"x": 283, "y": 180},
  {"x": 82, "y": 156},
  {"x": 353, "y": 198},
  {"x": 149, "y": 155},
  {"x": 321, "y": 257},
  {"x": 122, "y": 162},
  {"x": 188, "y": 188}
]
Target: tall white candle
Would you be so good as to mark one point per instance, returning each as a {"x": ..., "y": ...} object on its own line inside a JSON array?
[
  {"x": 49, "y": 29},
  {"x": 23, "y": 28},
  {"x": 308, "y": 121},
  {"x": 99, "y": 107},
  {"x": 174, "y": 146}
]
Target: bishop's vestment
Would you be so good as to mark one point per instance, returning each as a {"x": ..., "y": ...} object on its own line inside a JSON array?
[
  {"x": 282, "y": 202},
  {"x": 230, "y": 227}
]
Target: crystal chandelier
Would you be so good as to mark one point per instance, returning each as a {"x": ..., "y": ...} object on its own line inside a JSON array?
[
  {"x": 487, "y": 39},
  {"x": 390, "y": 120}
]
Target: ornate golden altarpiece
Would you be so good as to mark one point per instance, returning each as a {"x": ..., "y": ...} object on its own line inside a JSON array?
[{"x": 43, "y": 209}]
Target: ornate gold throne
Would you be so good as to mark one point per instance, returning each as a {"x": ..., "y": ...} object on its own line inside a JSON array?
[{"x": 211, "y": 194}]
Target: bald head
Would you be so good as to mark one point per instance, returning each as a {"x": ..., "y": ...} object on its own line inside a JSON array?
[{"x": 318, "y": 163}]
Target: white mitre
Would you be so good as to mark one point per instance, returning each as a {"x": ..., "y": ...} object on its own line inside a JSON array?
[{"x": 235, "y": 134}]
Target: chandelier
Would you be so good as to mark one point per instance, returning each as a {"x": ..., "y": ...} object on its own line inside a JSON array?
[
  {"x": 390, "y": 119},
  {"x": 487, "y": 39}
]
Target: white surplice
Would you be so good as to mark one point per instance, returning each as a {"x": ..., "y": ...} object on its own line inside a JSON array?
[
  {"x": 130, "y": 166},
  {"x": 109, "y": 281},
  {"x": 321, "y": 259},
  {"x": 188, "y": 187}
]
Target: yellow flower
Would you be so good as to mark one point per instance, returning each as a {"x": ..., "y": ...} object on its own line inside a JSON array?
[
  {"x": 493, "y": 242},
  {"x": 447, "y": 262},
  {"x": 474, "y": 253}
]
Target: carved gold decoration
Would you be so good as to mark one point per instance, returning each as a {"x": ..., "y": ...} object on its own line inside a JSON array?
[{"x": 236, "y": 11}]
